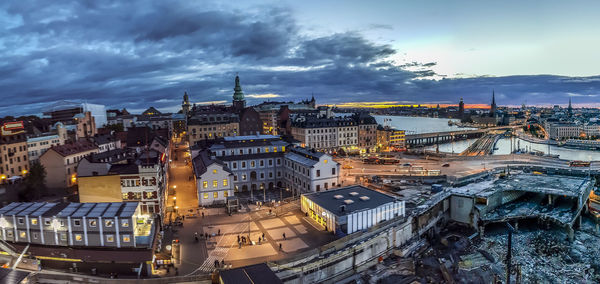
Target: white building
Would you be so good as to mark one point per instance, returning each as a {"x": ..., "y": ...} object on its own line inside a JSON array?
[
  {"x": 214, "y": 181},
  {"x": 310, "y": 171},
  {"x": 326, "y": 133},
  {"x": 351, "y": 209},
  {"x": 560, "y": 131},
  {"x": 36, "y": 146}
]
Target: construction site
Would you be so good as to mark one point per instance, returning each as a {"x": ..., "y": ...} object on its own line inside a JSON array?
[{"x": 553, "y": 236}]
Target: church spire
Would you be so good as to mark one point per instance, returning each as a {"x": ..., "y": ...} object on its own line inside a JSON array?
[
  {"x": 493, "y": 106},
  {"x": 570, "y": 108},
  {"x": 238, "y": 95}
]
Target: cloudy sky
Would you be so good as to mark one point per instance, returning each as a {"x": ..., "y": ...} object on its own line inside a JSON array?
[{"x": 136, "y": 54}]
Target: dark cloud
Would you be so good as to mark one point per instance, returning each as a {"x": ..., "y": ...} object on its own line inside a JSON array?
[{"x": 139, "y": 53}]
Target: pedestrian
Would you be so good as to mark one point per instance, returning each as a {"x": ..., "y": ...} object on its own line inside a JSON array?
[
  {"x": 284, "y": 236},
  {"x": 263, "y": 236},
  {"x": 280, "y": 248},
  {"x": 196, "y": 236},
  {"x": 239, "y": 244},
  {"x": 206, "y": 236},
  {"x": 259, "y": 240},
  {"x": 183, "y": 218},
  {"x": 216, "y": 263},
  {"x": 269, "y": 211},
  {"x": 176, "y": 271},
  {"x": 219, "y": 233},
  {"x": 223, "y": 263},
  {"x": 202, "y": 214},
  {"x": 238, "y": 238}
]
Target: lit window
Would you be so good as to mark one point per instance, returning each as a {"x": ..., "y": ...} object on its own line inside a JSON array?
[
  {"x": 126, "y": 238},
  {"x": 34, "y": 221},
  {"x": 206, "y": 196},
  {"x": 110, "y": 238},
  {"x": 224, "y": 182},
  {"x": 215, "y": 183},
  {"x": 243, "y": 177},
  {"x": 275, "y": 149},
  {"x": 92, "y": 223},
  {"x": 216, "y": 194},
  {"x": 282, "y": 148},
  {"x": 214, "y": 171},
  {"x": 225, "y": 193},
  {"x": 108, "y": 223},
  {"x": 125, "y": 223},
  {"x": 266, "y": 150},
  {"x": 205, "y": 184},
  {"x": 324, "y": 161},
  {"x": 22, "y": 234},
  {"x": 78, "y": 237}
]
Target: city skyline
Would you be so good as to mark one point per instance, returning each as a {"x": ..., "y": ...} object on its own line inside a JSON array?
[{"x": 131, "y": 55}]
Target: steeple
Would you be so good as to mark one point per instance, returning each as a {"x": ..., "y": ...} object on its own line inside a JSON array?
[
  {"x": 238, "y": 95},
  {"x": 570, "y": 108},
  {"x": 461, "y": 109},
  {"x": 493, "y": 106},
  {"x": 239, "y": 103},
  {"x": 185, "y": 105}
]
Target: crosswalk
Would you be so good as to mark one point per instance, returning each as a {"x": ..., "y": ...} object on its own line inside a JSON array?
[{"x": 217, "y": 254}]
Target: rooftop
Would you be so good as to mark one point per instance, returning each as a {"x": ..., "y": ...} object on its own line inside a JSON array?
[
  {"x": 355, "y": 198},
  {"x": 258, "y": 273},
  {"x": 74, "y": 148},
  {"x": 202, "y": 161}
]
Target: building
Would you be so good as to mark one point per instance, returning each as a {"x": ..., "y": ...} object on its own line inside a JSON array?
[
  {"x": 250, "y": 122},
  {"x": 61, "y": 161},
  {"x": 350, "y": 209},
  {"x": 274, "y": 115},
  {"x": 461, "y": 109},
  {"x": 108, "y": 225},
  {"x": 367, "y": 132},
  {"x": 256, "y": 161},
  {"x": 561, "y": 131},
  {"x": 137, "y": 180},
  {"x": 309, "y": 171},
  {"x": 39, "y": 144},
  {"x": 212, "y": 124},
  {"x": 257, "y": 273},
  {"x": 106, "y": 142},
  {"x": 214, "y": 180},
  {"x": 390, "y": 140},
  {"x": 65, "y": 111},
  {"x": 86, "y": 125},
  {"x": 14, "y": 162},
  {"x": 326, "y": 132},
  {"x": 493, "y": 106},
  {"x": 239, "y": 103}
]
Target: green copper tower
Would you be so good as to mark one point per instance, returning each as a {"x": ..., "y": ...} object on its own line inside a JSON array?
[{"x": 239, "y": 102}]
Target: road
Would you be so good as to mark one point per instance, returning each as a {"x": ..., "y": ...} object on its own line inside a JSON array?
[{"x": 181, "y": 181}]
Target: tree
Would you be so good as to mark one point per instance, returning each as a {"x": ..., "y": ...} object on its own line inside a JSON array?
[{"x": 35, "y": 182}]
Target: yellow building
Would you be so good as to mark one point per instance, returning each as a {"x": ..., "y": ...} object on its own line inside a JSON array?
[{"x": 100, "y": 189}]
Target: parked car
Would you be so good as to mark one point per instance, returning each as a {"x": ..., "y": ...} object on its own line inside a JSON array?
[
  {"x": 347, "y": 166},
  {"x": 445, "y": 165}
]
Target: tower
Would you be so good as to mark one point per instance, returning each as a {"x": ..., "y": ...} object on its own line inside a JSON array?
[
  {"x": 239, "y": 103},
  {"x": 461, "y": 109},
  {"x": 493, "y": 106},
  {"x": 313, "y": 101},
  {"x": 570, "y": 108},
  {"x": 185, "y": 105}
]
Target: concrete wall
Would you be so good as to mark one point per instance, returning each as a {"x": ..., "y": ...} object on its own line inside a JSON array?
[{"x": 461, "y": 208}]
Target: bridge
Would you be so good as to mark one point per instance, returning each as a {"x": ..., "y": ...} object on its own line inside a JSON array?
[{"x": 425, "y": 139}]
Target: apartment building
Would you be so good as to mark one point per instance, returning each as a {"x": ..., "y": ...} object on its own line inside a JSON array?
[
  {"x": 61, "y": 162},
  {"x": 325, "y": 133},
  {"x": 214, "y": 180},
  {"x": 390, "y": 139},
  {"x": 212, "y": 125},
  {"x": 39, "y": 144},
  {"x": 14, "y": 162},
  {"x": 309, "y": 171}
]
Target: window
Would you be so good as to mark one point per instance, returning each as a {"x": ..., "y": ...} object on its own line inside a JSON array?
[
  {"x": 216, "y": 194},
  {"x": 282, "y": 148},
  {"x": 266, "y": 149},
  {"x": 224, "y": 182},
  {"x": 252, "y": 164},
  {"x": 318, "y": 187},
  {"x": 243, "y": 164},
  {"x": 125, "y": 223},
  {"x": 21, "y": 221},
  {"x": 214, "y": 171},
  {"x": 275, "y": 149},
  {"x": 110, "y": 238},
  {"x": 206, "y": 196},
  {"x": 77, "y": 222},
  {"x": 243, "y": 177},
  {"x": 270, "y": 162},
  {"x": 234, "y": 177},
  {"x": 215, "y": 183},
  {"x": 126, "y": 238},
  {"x": 325, "y": 161},
  {"x": 47, "y": 222},
  {"x": 63, "y": 237},
  {"x": 108, "y": 223},
  {"x": 22, "y": 234},
  {"x": 318, "y": 173},
  {"x": 225, "y": 193},
  {"x": 262, "y": 163},
  {"x": 205, "y": 184},
  {"x": 278, "y": 161},
  {"x": 35, "y": 236},
  {"x": 93, "y": 223},
  {"x": 333, "y": 171},
  {"x": 78, "y": 237},
  {"x": 235, "y": 165}
]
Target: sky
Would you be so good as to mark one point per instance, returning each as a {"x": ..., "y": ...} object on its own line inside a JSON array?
[{"x": 141, "y": 53}]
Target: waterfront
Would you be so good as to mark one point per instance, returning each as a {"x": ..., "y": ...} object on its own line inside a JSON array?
[{"x": 418, "y": 125}]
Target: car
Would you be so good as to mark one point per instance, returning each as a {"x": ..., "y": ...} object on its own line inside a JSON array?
[
  {"x": 445, "y": 165},
  {"x": 347, "y": 167},
  {"x": 407, "y": 165}
]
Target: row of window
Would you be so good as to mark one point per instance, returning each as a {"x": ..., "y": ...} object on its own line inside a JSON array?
[
  {"x": 256, "y": 150},
  {"x": 261, "y": 163},
  {"x": 76, "y": 222},
  {"x": 63, "y": 236},
  {"x": 244, "y": 177},
  {"x": 215, "y": 183},
  {"x": 225, "y": 194}
]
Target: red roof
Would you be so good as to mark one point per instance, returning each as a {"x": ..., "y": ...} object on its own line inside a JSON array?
[{"x": 74, "y": 148}]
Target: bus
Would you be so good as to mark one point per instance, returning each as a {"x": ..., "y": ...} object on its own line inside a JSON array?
[{"x": 579, "y": 164}]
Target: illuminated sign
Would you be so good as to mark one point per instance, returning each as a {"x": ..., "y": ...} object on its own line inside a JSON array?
[{"x": 12, "y": 128}]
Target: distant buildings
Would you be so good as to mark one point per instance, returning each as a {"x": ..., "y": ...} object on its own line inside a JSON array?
[
  {"x": 65, "y": 111},
  {"x": 390, "y": 140},
  {"x": 39, "y": 144}
]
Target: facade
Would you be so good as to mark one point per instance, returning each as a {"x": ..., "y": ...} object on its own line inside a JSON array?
[
  {"x": 65, "y": 111},
  {"x": 108, "y": 225},
  {"x": 367, "y": 132},
  {"x": 250, "y": 122},
  {"x": 214, "y": 181},
  {"x": 351, "y": 209},
  {"x": 141, "y": 180},
  {"x": 210, "y": 125},
  {"x": 389, "y": 139},
  {"x": 37, "y": 145},
  {"x": 86, "y": 125},
  {"x": 326, "y": 133},
  {"x": 61, "y": 161},
  {"x": 106, "y": 142},
  {"x": 561, "y": 131},
  {"x": 256, "y": 162},
  {"x": 14, "y": 162},
  {"x": 310, "y": 171}
]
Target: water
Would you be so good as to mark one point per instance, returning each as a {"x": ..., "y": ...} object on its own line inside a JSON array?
[{"x": 418, "y": 125}]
